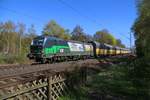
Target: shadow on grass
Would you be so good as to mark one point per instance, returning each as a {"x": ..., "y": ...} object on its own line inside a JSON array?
[{"x": 113, "y": 83}]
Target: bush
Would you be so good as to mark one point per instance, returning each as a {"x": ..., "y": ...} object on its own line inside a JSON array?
[{"x": 140, "y": 77}]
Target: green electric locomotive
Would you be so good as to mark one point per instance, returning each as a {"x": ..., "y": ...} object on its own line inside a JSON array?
[{"x": 48, "y": 49}]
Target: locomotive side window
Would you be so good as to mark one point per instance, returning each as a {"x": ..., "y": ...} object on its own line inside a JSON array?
[
  {"x": 60, "y": 42},
  {"x": 49, "y": 43}
]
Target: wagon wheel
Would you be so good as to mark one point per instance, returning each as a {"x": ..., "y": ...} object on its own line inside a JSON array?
[
  {"x": 51, "y": 60},
  {"x": 43, "y": 61}
]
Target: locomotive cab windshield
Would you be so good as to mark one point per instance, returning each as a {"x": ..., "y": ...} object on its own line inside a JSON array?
[
  {"x": 36, "y": 47},
  {"x": 38, "y": 41}
]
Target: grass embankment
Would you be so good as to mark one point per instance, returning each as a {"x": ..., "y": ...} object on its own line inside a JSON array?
[
  {"x": 13, "y": 59},
  {"x": 111, "y": 83}
]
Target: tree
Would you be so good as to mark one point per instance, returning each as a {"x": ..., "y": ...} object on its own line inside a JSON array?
[
  {"x": 27, "y": 38},
  {"x": 31, "y": 32},
  {"x": 78, "y": 34},
  {"x": 104, "y": 36},
  {"x": 8, "y": 36},
  {"x": 21, "y": 31},
  {"x": 53, "y": 29},
  {"x": 67, "y": 35},
  {"x": 141, "y": 28},
  {"x": 140, "y": 72},
  {"x": 89, "y": 37},
  {"x": 1, "y": 37},
  {"x": 119, "y": 43}
]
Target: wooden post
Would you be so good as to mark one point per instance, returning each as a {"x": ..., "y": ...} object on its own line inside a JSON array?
[
  {"x": 85, "y": 74},
  {"x": 50, "y": 87}
]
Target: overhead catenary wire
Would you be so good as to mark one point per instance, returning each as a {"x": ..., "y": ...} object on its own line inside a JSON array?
[
  {"x": 83, "y": 16},
  {"x": 21, "y": 14},
  {"x": 78, "y": 12},
  {"x": 124, "y": 36},
  {"x": 65, "y": 4}
]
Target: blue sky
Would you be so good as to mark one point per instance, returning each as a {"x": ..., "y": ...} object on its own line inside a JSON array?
[{"x": 117, "y": 16}]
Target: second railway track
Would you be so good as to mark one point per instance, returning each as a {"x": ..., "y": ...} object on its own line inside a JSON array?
[
  {"x": 27, "y": 68},
  {"x": 18, "y": 74}
]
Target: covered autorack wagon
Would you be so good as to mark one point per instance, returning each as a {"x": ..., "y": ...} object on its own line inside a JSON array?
[
  {"x": 98, "y": 48},
  {"x": 118, "y": 50},
  {"x": 110, "y": 49},
  {"x": 89, "y": 50}
]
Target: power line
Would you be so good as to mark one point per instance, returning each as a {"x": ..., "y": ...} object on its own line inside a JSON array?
[
  {"x": 82, "y": 15},
  {"x": 64, "y": 3},
  {"x": 130, "y": 40},
  {"x": 78, "y": 12},
  {"x": 22, "y": 14},
  {"x": 122, "y": 35}
]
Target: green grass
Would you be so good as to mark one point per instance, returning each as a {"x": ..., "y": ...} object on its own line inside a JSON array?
[
  {"x": 113, "y": 83},
  {"x": 78, "y": 93}
]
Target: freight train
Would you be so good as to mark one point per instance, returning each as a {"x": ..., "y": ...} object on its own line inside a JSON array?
[{"x": 50, "y": 49}]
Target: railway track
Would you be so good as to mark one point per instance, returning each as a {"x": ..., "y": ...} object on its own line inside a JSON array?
[
  {"x": 19, "y": 69},
  {"x": 16, "y": 74},
  {"x": 27, "y": 68}
]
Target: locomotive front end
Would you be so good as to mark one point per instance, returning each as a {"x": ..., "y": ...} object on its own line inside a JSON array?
[{"x": 36, "y": 48}]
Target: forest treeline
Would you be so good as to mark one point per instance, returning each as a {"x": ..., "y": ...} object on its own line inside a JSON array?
[
  {"x": 15, "y": 38},
  {"x": 140, "y": 68}
]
